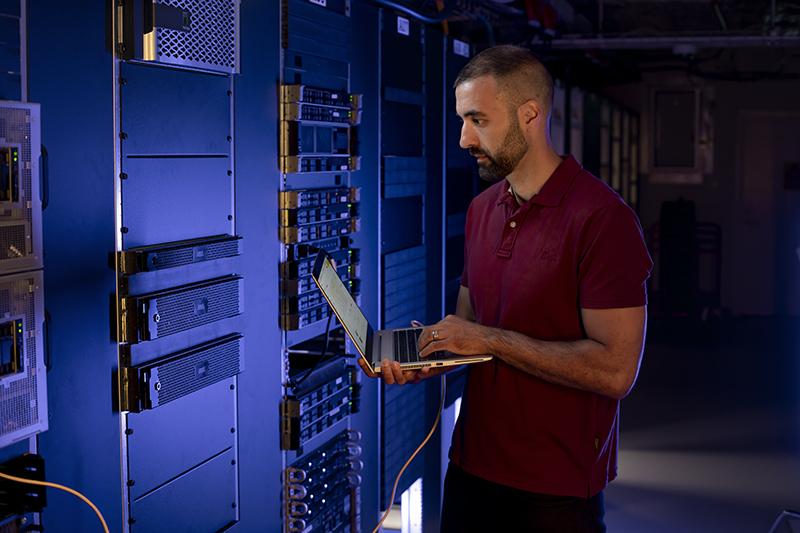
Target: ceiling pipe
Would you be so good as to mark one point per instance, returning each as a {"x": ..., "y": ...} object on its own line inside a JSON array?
[
  {"x": 600, "y": 13},
  {"x": 774, "y": 15},
  {"x": 653, "y": 43}
]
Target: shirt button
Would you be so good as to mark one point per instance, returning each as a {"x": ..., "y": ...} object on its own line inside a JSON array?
[{"x": 513, "y": 224}]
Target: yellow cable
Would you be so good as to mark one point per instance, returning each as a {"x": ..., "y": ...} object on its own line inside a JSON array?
[
  {"x": 60, "y": 487},
  {"x": 413, "y": 455}
]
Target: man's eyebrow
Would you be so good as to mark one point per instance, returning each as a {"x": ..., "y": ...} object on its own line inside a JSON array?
[{"x": 474, "y": 113}]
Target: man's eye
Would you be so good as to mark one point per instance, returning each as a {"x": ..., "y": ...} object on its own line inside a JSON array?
[{"x": 476, "y": 121}]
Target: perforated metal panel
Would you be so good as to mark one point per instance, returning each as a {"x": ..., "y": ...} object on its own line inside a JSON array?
[
  {"x": 15, "y": 240},
  {"x": 194, "y": 307},
  {"x": 184, "y": 375},
  {"x": 185, "y": 256},
  {"x": 23, "y": 393},
  {"x": 20, "y": 204},
  {"x": 178, "y": 254},
  {"x": 212, "y": 42}
]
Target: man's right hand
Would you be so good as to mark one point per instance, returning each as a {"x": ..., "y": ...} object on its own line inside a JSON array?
[{"x": 393, "y": 375}]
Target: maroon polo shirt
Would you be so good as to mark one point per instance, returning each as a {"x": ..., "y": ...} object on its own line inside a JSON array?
[{"x": 530, "y": 269}]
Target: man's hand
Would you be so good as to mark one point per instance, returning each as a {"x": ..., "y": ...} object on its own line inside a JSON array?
[
  {"x": 393, "y": 375},
  {"x": 455, "y": 335}
]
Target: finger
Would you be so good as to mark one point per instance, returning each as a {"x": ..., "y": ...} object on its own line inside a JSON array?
[
  {"x": 399, "y": 375},
  {"x": 426, "y": 337},
  {"x": 386, "y": 372},
  {"x": 367, "y": 370},
  {"x": 413, "y": 377},
  {"x": 434, "y": 346},
  {"x": 429, "y": 371}
]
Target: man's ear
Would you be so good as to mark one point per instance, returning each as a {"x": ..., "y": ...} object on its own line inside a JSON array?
[{"x": 529, "y": 111}]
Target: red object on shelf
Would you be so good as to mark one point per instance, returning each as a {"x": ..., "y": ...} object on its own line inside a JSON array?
[{"x": 541, "y": 14}]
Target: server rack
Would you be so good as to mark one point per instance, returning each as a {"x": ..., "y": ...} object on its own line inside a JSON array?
[
  {"x": 23, "y": 372},
  {"x": 318, "y": 209},
  {"x": 179, "y": 296},
  {"x": 404, "y": 231}
]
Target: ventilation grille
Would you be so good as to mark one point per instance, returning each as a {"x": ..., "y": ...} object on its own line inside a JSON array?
[
  {"x": 212, "y": 42},
  {"x": 188, "y": 309},
  {"x": 194, "y": 371},
  {"x": 14, "y": 241},
  {"x": 20, "y": 393},
  {"x": 195, "y": 254},
  {"x": 15, "y": 238}
]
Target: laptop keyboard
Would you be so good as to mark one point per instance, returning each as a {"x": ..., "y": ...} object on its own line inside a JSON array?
[{"x": 405, "y": 345}]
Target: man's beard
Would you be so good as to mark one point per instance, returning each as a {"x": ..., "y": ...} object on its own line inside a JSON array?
[{"x": 511, "y": 151}]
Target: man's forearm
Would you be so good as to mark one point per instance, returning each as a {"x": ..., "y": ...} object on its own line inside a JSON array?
[{"x": 583, "y": 364}]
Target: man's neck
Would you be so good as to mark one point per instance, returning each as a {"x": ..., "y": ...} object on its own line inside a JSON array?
[{"x": 532, "y": 172}]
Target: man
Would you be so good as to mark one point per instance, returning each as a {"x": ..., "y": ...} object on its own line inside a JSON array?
[{"x": 554, "y": 287}]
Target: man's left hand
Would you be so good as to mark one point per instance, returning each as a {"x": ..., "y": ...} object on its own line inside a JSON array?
[{"x": 455, "y": 335}]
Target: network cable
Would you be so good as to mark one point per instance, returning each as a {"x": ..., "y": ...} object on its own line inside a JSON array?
[
  {"x": 413, "y": 455},
  {"x": 60, "y": 487},
  {"x": 323, "y": 358}
]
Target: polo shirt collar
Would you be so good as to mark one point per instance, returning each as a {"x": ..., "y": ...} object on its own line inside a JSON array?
[{"x": 554, "y": 188}]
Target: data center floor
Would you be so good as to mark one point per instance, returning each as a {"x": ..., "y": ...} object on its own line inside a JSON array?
[{"x": 710, "y": 437}]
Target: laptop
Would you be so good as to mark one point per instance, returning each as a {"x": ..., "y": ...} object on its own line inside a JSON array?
[{"x": 393, "y": 344}]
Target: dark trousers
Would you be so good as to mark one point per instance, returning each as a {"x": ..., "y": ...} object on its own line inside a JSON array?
[{"x": 474, "y": 505}]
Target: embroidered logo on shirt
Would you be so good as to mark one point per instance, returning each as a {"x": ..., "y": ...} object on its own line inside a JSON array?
[{"x": 548, "y": 254}]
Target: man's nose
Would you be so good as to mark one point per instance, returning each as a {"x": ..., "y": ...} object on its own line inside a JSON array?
[{"x": 467, "y": 139}]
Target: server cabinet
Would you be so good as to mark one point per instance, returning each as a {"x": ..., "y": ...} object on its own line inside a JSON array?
[
  {"x": 319, "y": 208},
  {"x": 175, "y": 188}
]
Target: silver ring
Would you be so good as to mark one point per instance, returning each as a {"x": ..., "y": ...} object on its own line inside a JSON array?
[{"x": 435, "y": 335}]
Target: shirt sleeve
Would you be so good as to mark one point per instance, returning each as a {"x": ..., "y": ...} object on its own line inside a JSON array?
[{"x": 614, "y": 264}]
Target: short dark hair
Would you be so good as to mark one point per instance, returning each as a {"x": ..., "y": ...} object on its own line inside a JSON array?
[{"x": 518, "y": 72}]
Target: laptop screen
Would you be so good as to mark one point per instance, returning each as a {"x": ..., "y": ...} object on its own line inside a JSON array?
[{"x": 342, "y": 302}]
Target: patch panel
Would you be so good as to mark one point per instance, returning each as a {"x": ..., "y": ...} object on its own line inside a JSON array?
[
  {"x": 321, "y": 489},
  {"x": 296, "y": 287},
  {"x": 318, "y": 197},
  {"x": 314, "y": 232},
  {"x": 299, "y": 320},
  {"x": 315, "y": 215},
  {"x": 314, "y": 95},
  {"x": 303, "y": 302},
  {"x": 303, "y": 267},
  {"x": 315, "y": 163}
]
